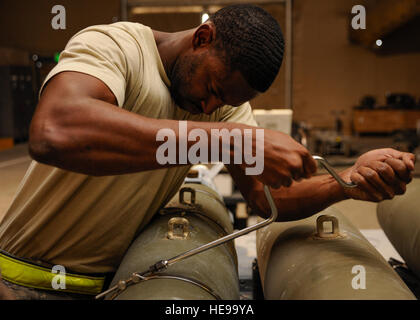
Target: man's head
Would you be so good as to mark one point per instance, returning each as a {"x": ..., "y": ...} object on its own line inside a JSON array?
[{"x": 233, "y": 56}]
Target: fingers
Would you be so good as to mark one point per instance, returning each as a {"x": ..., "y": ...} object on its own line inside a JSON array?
[
  {"x": 400, "y": 169},
  {"x": 283, "y": 174},
  {"x": 370, "y": 192},
  {"x": 285, "y": 160},
  {"x": 301, "y": 165},
  {"x": 409, "y": 160},
  {"x": 304, "y": 166},
  {"x": 296, "y": 167},
  {"x": 382, "y": 189},
  {"x": 389, "y": 177},
  {"x": 309, "y": 165},
  {"x": 287, "y": 182},
  {"x": 381, "y": 180},
  {"x": 276, "y": 179},
  {"x": 299, "y": 168}
]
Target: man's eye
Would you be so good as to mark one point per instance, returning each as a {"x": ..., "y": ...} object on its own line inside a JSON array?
[{"x": 213, "y": 92}]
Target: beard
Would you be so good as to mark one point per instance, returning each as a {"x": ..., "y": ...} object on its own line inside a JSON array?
[{"x": 181, "y": 80}]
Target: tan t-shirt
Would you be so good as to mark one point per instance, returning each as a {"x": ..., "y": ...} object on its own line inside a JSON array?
[{"x": 86, "y": 223}]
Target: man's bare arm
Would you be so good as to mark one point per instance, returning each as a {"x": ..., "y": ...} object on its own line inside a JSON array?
[
  {"x": 380, "y": 174},
  {"x": 78, "y": 127},
  {"x": 300, "y": 200}
]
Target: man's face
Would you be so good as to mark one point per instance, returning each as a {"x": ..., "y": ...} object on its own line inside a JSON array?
[{"x": 201, "y": 82}]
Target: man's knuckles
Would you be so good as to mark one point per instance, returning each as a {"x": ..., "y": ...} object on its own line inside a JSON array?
[
  {"x": 396, "y": 164},
  {"x": 384, "y": 170},
  {"x": 367, "y": 173},
  {"x": 400, "y": 188}
]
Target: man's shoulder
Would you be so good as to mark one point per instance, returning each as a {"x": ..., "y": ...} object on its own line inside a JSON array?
[
  {"x": 242, "y": 114},
  {"x": 114, "y": 30},
  {"x": 121, "y": 41}
]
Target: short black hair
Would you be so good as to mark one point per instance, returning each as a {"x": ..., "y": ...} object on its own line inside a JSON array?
[{"x": 251, "y": 41}]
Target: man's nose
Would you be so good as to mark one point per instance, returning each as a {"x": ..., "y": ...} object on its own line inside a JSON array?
[{"x": 211, "y": 105}]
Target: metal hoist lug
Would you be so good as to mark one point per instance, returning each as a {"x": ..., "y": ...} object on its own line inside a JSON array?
[
  {"x": 178, "y": 228},
  {"x": 321, "y": 232},
  {"x": 175, "y": 223},
  {"x": 181, "y": 196}
]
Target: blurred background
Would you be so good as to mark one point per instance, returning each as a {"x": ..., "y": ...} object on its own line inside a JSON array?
[{"x": 346, "y": 90}]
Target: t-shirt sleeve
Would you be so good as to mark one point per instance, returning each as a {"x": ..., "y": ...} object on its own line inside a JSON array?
[
  {"x": 97, "y": 53},
  {"x": 242, "y": 114}
]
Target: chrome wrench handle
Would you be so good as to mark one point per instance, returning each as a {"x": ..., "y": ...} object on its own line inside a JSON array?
[
  {"x": 231, "y": 236},
  {"x": 163, "y": 264},
  {"x": 332, "y": 172}
]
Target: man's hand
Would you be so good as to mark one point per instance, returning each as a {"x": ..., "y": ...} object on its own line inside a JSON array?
[
  {"x": 285, "y": 160},
  {"x": 380, "y": 174}
]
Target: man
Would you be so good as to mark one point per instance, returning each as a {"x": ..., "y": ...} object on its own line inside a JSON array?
[{"x": 96, "y": 183}]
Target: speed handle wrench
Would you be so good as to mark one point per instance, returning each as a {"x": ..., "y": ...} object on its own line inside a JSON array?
[
  {"x": 332, "y": 172},
  {"x": 163, "y": 264}
]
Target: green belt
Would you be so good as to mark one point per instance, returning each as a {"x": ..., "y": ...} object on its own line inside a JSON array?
[{"x": 34, "y": 276}]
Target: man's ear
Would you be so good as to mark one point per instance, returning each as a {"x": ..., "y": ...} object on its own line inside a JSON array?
[{"x": 204, "y": 35}]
